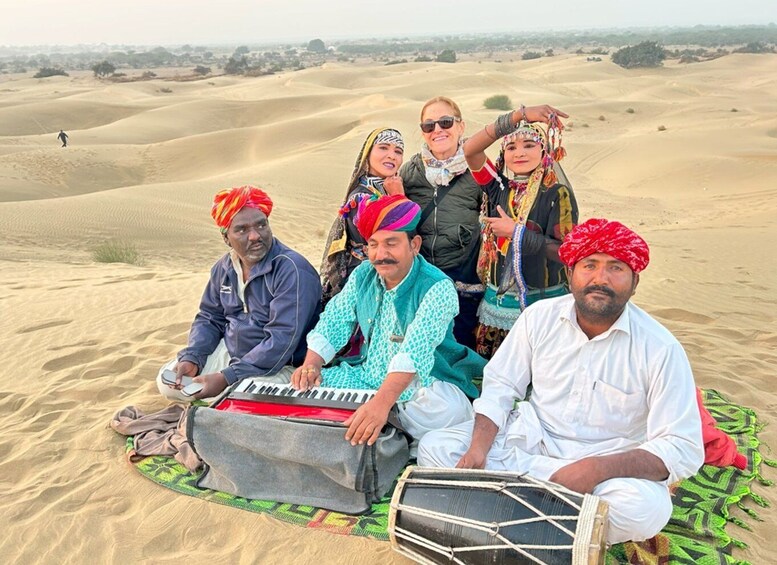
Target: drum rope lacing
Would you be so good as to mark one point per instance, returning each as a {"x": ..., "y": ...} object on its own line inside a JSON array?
[{"x": 586, "y": 520}]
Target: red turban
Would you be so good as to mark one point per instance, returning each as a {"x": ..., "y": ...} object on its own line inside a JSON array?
[
  {"x": 602, "y": 236},
  {"x": 229, "y": 202},
  {"x": 393, "y": 213}
]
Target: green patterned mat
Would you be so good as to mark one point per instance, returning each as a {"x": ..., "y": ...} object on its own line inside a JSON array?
[{"x": 695, "y": 534}]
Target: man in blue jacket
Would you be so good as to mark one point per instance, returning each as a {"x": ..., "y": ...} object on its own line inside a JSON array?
[{"x": 260, "y": 302}]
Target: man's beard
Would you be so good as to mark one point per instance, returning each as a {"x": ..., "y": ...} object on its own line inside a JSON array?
[{"x": 603, "y": 310}]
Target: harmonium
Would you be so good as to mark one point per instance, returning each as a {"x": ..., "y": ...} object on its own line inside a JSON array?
[
  {"x": 268, "y": 441},
  {"x": 258, "y": 397}
]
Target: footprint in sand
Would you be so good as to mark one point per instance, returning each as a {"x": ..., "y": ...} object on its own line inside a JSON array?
[
  {"x": 156, "y": 305},
  {"x": 142, "y": 277},
  {"x": 89, "y": 343},
  {"x": 168, "y": 333},
  {"x": 80, "y": 357},
  {"x": 680, "y": 315},
  {"x": 113, "y": 367},
  {"x": 49, "y": 324}
]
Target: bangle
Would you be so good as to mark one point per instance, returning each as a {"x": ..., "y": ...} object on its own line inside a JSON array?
[
  {"x": 523, "y": 113},
  {"x": 503, "y": 125},
  {"x": 485, "y": 129}
]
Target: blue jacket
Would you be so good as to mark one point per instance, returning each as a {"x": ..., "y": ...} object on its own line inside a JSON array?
[{"x": 283, "y": 301}]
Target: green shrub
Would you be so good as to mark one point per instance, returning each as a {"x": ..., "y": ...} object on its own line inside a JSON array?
[
  {"x": 49, "y": 72},
  {"x": 661, "y": 128},
  {"x": 498, "y": 102},
  {"x": 446, "y": 56},
  {"x": 645, "y": 54},
  {"x": 629, "y": 110},
  {"x": 103, "y": 69},
  {"x": 117, "y": 252},
  {"x": 531, "y": 55}
]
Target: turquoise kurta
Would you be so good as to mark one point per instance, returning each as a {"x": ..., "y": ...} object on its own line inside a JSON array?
[{"x": 406, "y": 329}]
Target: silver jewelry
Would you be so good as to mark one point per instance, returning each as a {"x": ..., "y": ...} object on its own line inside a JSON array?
[{"x": 503, "y": 125}]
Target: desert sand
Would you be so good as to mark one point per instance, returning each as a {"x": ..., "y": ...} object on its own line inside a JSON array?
[{"x": 84, "y": 339}]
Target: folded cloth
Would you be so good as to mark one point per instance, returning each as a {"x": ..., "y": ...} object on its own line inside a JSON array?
[
  {"x": 160, "y": 433},
  {"x": 719, "y": 449}
]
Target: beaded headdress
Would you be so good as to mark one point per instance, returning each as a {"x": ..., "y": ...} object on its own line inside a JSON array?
[{"x": 550, "y": 139}]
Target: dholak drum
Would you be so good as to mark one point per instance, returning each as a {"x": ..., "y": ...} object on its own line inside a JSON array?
[{"x": 474, "y": 516}]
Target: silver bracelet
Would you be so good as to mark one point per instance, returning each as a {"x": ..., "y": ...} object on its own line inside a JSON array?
[{"x": 504, "y": 125}]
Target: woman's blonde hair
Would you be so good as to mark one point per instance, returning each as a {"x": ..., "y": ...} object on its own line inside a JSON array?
[{"x": 448, "y": 101}]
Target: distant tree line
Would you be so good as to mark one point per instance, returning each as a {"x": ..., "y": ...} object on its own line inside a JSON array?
[{"x": 252, "y": 60}]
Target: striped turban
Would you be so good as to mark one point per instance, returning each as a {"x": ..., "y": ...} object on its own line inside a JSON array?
[
  {"x": 602, "y": 236},
  {"x": 392, "y": 213},
  {"x": 230, "y": 201}
]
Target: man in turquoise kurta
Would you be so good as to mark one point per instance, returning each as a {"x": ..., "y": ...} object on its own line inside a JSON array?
[{"x": 404, "y": 307}]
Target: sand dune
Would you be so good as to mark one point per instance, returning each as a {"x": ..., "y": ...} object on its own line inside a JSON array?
[{"x": 83, "y": 339}]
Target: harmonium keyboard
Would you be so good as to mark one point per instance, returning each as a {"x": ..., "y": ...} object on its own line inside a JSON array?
[{"x": 255, "y": 396}]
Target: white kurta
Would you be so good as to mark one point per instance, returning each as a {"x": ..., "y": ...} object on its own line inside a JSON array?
[{"x": 630, "y": 387}]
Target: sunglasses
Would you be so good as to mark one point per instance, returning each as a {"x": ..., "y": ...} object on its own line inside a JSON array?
[{"x": 446, "y": 122}]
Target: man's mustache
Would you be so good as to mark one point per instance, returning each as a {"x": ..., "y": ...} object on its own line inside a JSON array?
[
  {"x": 599, "y": 288},
  {"x": 385, "y": 262}
]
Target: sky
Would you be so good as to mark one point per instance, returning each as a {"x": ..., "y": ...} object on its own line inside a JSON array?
[{"x": 175, "y": 22}]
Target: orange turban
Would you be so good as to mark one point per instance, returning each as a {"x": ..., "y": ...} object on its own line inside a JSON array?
[
  {"x": 602, "y": 236},
  {"x": 229, "y": 202}
]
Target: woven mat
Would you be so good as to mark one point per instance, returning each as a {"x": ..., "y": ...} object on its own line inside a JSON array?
[{"x": 695, "y": 534}]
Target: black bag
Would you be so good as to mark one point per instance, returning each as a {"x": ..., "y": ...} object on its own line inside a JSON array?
[{"x": 295, "y": 461}]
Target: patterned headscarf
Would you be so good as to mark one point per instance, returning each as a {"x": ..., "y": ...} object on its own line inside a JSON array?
[
  {"x": 392, "y": 213},
  {"x": 362, "y": 165},
  {"x": 230, "y": 201},
  {"x": 602, "y": 236},
  {"x": 338, "y": 250}
]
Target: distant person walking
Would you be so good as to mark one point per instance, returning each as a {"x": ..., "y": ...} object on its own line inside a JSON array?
[{"x": 63, "y": 138}]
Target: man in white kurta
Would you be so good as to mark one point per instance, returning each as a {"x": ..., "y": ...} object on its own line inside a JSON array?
[{"x": 612, "y": 406}]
